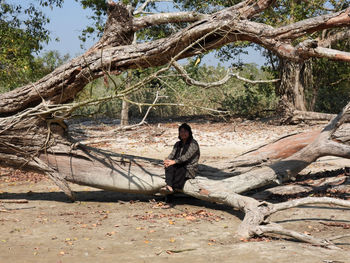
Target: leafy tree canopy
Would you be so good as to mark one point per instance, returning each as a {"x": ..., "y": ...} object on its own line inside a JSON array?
[{"x": 23, "y": 33}]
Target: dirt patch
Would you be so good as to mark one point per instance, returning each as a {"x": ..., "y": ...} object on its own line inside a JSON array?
[{"x": 114, "y": 227}]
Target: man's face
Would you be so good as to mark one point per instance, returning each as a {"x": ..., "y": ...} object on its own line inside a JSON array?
[{"x": 184, "y": 134}]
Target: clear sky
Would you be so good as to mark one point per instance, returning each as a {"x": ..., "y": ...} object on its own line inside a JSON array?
[{"x": 68, "y": 22}]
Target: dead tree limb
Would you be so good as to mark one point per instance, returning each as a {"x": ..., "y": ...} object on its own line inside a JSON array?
[{"x": 228, "y": 76}]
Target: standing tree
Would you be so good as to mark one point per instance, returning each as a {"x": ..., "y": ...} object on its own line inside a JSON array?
[
  {"x": 296, "y": 75},
  {"x": 33, "y": 133}
]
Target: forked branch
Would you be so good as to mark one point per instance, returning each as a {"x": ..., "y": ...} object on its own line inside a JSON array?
[{"x": 228, "y": 76}]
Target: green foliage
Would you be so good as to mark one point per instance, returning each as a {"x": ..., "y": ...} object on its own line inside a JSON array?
[
  {"x": 99, "y": 9},
  {"x": 331, "y": 82},
  {"x": 237, "y": 97},
  {"x": 23, "y": 33},
  {"x": 251, "y": 100},
  {"x": 97, "y": 89},
  {"x": 47, "y": 63},
  {"x": 286, "y": 11}
]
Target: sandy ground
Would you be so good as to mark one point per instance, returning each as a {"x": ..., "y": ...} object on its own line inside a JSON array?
[{"x": 112, "y": 227}]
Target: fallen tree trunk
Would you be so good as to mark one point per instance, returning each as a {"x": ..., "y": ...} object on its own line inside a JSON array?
[
  {"x": 297, "y": 117},
  {"x": 143, "y": 175},
  {"x": 66, "y": 162}
]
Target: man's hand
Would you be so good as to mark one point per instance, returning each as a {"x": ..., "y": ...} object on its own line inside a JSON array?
[{"x": 168, "y": 163}]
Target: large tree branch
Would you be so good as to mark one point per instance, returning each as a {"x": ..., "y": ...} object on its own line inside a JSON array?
[
  {"x": 166, "y": 18},
  {"x": 322, "y": 52},
  {"x": 307, "y": 26},
  {"x": 334, "y": 38}
]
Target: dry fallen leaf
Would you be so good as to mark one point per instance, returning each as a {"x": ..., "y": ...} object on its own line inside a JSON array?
[{"x": 191, "y": 218}]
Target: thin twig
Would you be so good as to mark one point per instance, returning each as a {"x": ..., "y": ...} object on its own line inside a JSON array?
[
  {"x": 176, "y": 104},
  {"x": 338, "y": 237},
  {"x": 221, "y": 82},
  {"x": 20, "y": 208},
  {"x": 16, "y": 201}
]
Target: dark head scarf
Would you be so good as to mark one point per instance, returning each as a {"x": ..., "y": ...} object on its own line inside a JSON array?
[{"x": 187, "y": 128}]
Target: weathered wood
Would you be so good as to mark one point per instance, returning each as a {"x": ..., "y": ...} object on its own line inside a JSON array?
[
  {"x": 294, "y": 77},
  {"x": 296, "y": 117},
  {"x": 273, "y": 151}
]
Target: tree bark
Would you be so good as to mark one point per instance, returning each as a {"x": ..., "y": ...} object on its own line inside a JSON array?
[
  {"x": 295, "y": 77},
  {"x": 273, "y": 151},
  {"x": 124, "y": 115}
]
